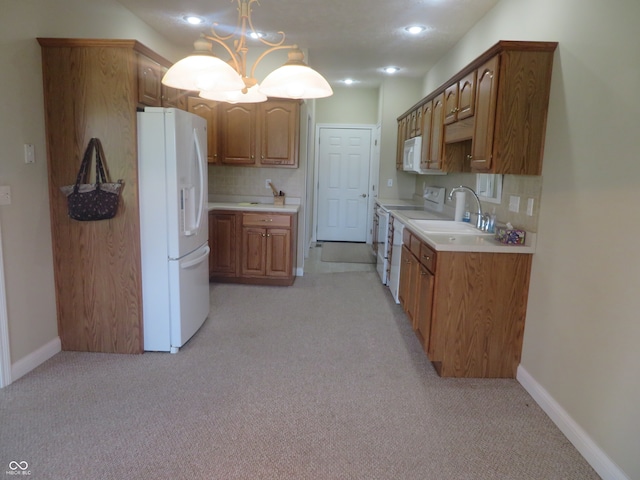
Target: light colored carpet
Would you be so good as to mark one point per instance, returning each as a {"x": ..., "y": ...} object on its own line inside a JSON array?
[
  {"x": 346, "y": 252},
  {"x": 321, "y": 380}
]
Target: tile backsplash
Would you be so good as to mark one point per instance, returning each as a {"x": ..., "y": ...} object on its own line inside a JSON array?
[
  {"x": 250, "y": 182},
  {"x": 523, "y": 186}
]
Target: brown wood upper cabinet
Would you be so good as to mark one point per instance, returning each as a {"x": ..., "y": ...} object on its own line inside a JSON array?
[
  {"x": 459, "y": 99},
  {"x": 151, "y": 91},
  {"x": 493, "y": 112},
  {"x": 484, "y": 125},
  {"x": 208, "y": 109},
  {"x": 260, "y": 134}
]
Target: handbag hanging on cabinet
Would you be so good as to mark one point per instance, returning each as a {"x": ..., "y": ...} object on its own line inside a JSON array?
[{"x": 92, "y": 201}]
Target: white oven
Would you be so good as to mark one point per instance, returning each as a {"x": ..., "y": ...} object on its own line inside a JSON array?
[{"x": 383, "y": 244}]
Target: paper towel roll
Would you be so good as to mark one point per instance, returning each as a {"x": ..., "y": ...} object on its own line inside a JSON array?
[{"x": 460, "y": 206}]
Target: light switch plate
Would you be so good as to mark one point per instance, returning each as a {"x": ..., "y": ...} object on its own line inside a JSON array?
[{"x": 530, "y": 207}]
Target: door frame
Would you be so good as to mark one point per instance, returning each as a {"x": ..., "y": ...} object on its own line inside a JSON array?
[
  {"x": 5, "y": 353},
  {"x": 374, "y": 162}
]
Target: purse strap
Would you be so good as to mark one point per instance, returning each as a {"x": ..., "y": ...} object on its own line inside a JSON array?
[{"x": 94, "y": 144}]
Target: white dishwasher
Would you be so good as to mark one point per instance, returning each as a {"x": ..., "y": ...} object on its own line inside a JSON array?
[
  {"x": 433, "y": 207},
  {"x": 383, "y": 245},
  {"x": 396, "y": 253}
]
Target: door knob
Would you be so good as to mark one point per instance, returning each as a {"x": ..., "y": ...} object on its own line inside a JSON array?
[{"x": 364, "y": 195}]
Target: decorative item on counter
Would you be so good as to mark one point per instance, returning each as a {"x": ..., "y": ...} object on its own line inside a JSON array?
[
  {"x": 510, "y": 236},
  {"x": 278, "y": 197}
]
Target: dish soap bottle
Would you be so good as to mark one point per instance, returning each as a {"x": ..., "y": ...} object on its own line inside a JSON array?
[{"x": 467, "y": 214}]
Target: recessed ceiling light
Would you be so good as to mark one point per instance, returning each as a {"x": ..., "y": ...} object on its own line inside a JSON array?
[
  {"x": 348, "y": 81},
  {"x": 390, "y": 70},
  {"x": 415, "y": 29},
  {"x": 256, "y": 35},
  {"x": 193, "y": 19}
]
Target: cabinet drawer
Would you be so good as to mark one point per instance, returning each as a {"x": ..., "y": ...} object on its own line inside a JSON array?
[
  {"x": 406, "y": 237},
  {"x": 415, "y": 246},
  {"x": 266, "y": 220},
  {"x": 427, "y": 257}
]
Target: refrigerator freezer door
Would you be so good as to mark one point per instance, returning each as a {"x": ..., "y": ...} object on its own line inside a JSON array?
[
  {"x": 186, "y": 167},
  {"x": 188, "y": 295}
]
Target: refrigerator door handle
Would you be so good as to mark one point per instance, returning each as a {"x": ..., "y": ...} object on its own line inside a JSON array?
[
  {"x": 191, "y": 226},
  {"x": 196, "y": 261},
  {"x": 201, "y": 163}
]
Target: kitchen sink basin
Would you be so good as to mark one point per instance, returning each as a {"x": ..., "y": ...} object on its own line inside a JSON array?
[{"x": 448, "y": 227}]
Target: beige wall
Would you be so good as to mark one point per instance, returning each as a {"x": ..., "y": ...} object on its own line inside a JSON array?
[
  {"x": 397, "y": 95},
  {"x": 349, "y": 106},
  {"x": 25, "y": 223},
  {"x": 582, "y": 330}
]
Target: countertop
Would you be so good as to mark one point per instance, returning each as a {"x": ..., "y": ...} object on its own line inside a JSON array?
[
  {"x": 253, "y": 207},
  {"x": 459, "y": 243}
]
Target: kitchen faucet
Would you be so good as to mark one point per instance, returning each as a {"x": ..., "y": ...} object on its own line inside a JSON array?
[{"x": 479, "y": 220}]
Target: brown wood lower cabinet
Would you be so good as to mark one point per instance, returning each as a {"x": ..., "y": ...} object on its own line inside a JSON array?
[
  {"x": 252, "y": 247},
  {"x": 467, "y": 308}
]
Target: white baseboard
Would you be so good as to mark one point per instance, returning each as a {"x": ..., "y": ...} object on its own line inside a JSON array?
[
  {"x": 599, "y": 460},
  {"x": 299, "y": 272},
  {"x": 35, "y": 359}
]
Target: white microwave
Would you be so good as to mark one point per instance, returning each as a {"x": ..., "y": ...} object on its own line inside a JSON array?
[{"x": 411, "y": 155}]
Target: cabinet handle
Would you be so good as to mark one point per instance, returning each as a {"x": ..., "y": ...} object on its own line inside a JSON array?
[
  {"x": 423, "y": 273},
  {"x": 263, "y": 235},
  {"x": 267, "y": 220},
  {"x": 268, "y": 234},
  {"x": 426, "y": 257},
  {"x": 252, "y": 157},
  {"x": 262, "y": 157}
]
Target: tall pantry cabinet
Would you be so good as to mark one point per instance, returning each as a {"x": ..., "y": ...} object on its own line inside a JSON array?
[{"x": 92, "y": 88}]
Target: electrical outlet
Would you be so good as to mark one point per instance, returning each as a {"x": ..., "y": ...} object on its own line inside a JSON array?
[
  {"x": 5, "y": 195},
  {"x": 514, "y": 203},
  {"x": 266, "y": 184},
  {"x": 530, "y": 207},
  {"x": 390, "y": 182},
  {"x": 29, "y": 153}
]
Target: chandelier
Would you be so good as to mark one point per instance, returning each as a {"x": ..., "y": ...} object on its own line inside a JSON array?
[{"x": 216, "y": 79}]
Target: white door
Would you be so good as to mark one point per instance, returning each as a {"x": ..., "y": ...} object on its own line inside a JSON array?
[{"x": 343, "y": 184}]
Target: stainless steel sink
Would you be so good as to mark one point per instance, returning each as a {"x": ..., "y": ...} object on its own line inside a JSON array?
[{"x": 448, "y": 227}]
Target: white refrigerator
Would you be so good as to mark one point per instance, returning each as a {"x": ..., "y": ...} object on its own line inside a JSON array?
[{"x": 172, "y": 181}]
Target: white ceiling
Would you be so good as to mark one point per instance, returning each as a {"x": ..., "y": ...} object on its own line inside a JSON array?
[{"x": 344, "y": 38}]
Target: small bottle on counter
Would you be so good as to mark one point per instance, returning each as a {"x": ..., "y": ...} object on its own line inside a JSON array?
[{"x": 467, "y": 214}]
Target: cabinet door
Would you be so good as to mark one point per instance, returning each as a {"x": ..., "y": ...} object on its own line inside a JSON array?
[
  {"x": 149, "y": 82},
  {"x": 278, "y": 127},
  {"x": 424, "y": 302},
  {"x": 222, "y": 240},
  {"x": 400, "y": 143},
  {"x": 254, "y": 246},
  {"x": 278, "y": 252},
  {"x": 485, "y": 115},
  {"x": 437, "y": 133},
  {"x": 466, "y": 96},
  {"x": 406, "y": 289},
  {"x": 172, "y": 97},
  {"x": 451, "y": 104},
  {"x": 427, "y": 127},
  {"x": 238, "y": 126},
  {"x": 207, "y": 109}
]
